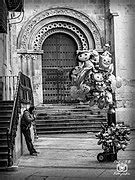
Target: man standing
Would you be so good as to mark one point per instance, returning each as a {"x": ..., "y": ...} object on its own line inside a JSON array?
[{"x": 26, "y": 120}]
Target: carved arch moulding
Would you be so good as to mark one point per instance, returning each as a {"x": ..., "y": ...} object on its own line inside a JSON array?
[{"x": 85, "y": 32}]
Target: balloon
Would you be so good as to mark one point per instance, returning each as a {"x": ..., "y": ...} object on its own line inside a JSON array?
[
  {"x": 108, "y": 97},
  {"x": 101, "y": 103},
  {"x": 74, "y": 92},
  {"x": 113, "y": 82},
  {"x": 84, "y": 88},
  {"x": 93, "y": 101}
]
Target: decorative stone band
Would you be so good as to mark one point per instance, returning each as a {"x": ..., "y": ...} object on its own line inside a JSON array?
[
  {"x": 67, "y": 28},
  {"x": 72, "y": 21}
]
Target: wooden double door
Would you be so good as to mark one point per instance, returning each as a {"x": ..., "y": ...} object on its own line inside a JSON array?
[{"x": 58, "y": 59}]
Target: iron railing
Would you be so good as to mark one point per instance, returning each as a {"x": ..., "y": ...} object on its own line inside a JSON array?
[{"x": 23, "y": 94}]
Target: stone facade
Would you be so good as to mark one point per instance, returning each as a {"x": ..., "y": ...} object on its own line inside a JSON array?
[
  {"x": 124, "y": 58},
  {"x": 108, "y": 21},
  {"x": 76, "y": 18}
]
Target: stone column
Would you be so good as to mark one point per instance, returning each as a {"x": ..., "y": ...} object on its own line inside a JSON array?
[
  {"x": 113, "y": 19},
  {"x": 31, "y": 65}
]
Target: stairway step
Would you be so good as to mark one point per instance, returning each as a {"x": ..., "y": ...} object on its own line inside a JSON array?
[
  {"x": 3, "y": 128},
  {"x": 45, "y": 123},
  {"x": 5, "y": 111},
  {"x": 69, "y": 113},
  {"x": 71, "y": 110},
  {"x": 3, "y": 147},
  {"x": 69, "y": 127},
  {"x": 3, "y": 141},
  {"x": 40, "y": 133},
  {"x": 7, "y": 102},
  {"x": 3, "y": 162},
  {"x": 4, "y": 123},
  {"x": 3, "y": 134},
  {"x": 5, "y": 117},
  {"x": 56, "y": 119},
  {"x": 6, "y": 107},
  {"x": 56, "y": 116},
  {"x": 68, "y": 123},
  {"x": 3, "y": 155},
  {"x": 66, "y": 106},
  {"x": 67, "y": 118}
]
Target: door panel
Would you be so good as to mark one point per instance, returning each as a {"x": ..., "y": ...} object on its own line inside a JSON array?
[{"x": 58, "y": 60}]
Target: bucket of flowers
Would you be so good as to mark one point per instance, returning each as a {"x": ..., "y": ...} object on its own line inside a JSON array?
[{"x": 112, "y": 138}]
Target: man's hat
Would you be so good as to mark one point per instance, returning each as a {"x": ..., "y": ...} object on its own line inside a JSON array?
[{"x": 32, "y": 107}]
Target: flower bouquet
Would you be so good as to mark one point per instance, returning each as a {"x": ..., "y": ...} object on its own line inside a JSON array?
[{"x": 112, "y": 138}]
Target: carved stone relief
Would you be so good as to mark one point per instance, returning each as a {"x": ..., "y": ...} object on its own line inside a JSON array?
[
  {"x": 66, "y": 13},
  {"x": 27, "y": 63},
  {"x": 38, "y": 28},
  {"x": 55, "y": 27}
]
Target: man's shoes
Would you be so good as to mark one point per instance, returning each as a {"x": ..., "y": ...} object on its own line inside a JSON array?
[
  {"x": 36, "y": 152},
  {"x": 33, "y": 154}
]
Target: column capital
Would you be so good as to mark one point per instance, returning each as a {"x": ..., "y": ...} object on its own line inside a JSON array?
[{"x": 21, "y": 51}]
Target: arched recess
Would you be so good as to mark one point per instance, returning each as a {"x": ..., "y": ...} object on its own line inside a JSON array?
[
  {"x": 37, "y": 29},
  {"x": 34, "y": 32}
]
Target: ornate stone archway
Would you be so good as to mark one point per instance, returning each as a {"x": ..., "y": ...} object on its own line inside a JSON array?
[
  {"x": 40, "y": 25},
  {"x": 32, "y": 35}
]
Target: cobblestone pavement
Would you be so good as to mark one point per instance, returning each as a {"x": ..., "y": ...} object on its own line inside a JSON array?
[{"x": 71, "y": 157}]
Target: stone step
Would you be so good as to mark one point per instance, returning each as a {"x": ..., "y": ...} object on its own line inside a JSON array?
[
  {"x": 3, "y": 162},
  {"x": 69, "y": 119},
  {"x": 6, "y": 107},
  {"x": 52, "y": 121},
  {"x": 3, "y": 128},
  {"x": 72, "y": 105},
  {"x": 69, "y": 127},
  {"x": 95, "y": 130},
  {"x": 5, "y": 123},
  {"x": 5, "y": 117},
  {"x": 3, "y": 134},
  {"x": 3, "y": 141},
  {"x": 58, "y": 112},
  {"x": 61, "y": 118},
  {"x": 65, "y": 123},
  {"x": 5, "y": 111},
  {"x": 6, "y": 103},
  {"x": 69, "y": 115},
  {"x": 3, "y": 148},
  {"x": 63, "y": 107},
  {"x": 3, "y": 155}
]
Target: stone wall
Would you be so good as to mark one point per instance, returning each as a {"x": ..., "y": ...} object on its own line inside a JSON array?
[
  {"x": 92, "y": 8},
  {"x": 3, "y": 56},
  {"x": 124, "y": 25}
]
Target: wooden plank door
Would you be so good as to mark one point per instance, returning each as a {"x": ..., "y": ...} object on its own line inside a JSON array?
[{"x": 58, "y": 59}]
